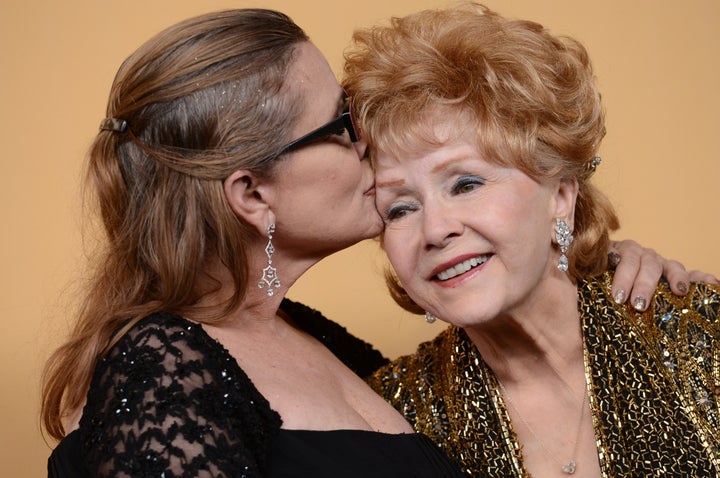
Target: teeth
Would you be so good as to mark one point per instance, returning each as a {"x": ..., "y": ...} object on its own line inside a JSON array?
[{"x": 461, "y": 268}]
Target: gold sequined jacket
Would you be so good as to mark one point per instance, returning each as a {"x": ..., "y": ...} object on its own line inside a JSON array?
[{"x": 653, "y": 382}]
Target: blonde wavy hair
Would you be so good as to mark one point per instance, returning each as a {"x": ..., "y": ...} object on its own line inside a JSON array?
[
  {"x": 201, "y": 99},
  {"x": 531, "y": 96}
]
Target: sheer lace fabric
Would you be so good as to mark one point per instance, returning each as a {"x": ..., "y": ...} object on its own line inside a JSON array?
[{"x": 169, "y": 401}]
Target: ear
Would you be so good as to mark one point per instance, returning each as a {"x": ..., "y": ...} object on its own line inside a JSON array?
[
  {"x": 247, "y": 195},
  {"x": 565, "y": 199}
]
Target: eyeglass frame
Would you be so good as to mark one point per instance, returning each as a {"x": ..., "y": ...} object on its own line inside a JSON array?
[{"x": 345, "y": 120}]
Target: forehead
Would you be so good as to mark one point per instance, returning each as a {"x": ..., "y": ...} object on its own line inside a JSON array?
[
  {"x": 432, "y": 132},
  {"x": 440, "y": 128},
  {"x": 310, "y": 72},
  {"x": 404, "y": 135}
]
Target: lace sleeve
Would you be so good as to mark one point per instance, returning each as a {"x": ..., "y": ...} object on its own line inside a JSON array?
[{"x": 167, "y": 401}]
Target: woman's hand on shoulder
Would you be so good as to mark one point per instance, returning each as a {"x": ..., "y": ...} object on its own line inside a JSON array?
[{"x": 638, "y": 271}]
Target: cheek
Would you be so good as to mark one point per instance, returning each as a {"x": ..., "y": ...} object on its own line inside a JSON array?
[
  {"x": 397, "y": 245},
  {"x": 527, "y": 207},
  {"x": 528, "y": 232},
  {"x": 344, "y": 182}
]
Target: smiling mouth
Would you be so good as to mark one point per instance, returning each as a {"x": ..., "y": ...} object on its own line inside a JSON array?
[{"x": 461, "y": 268}]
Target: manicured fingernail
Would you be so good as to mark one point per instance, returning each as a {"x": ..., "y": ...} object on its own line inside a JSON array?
[
  {"x": 619, "y": 296},
  {"x": 682, "y": 287},
  {"x": 613, "y": 259},
  {"x": 639, "y": 303}
]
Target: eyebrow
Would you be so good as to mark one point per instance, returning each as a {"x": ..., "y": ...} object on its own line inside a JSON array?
[
  {"x": 440, "y": 167},
  {"x": 446, "y": 164},
  {"x": 390, "y": 184}
]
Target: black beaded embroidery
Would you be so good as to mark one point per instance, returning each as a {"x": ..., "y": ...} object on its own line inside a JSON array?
[{"x": 169, "y": 401}]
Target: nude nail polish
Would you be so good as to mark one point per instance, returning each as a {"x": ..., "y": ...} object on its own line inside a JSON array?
[{"x": 639, "y": 303}]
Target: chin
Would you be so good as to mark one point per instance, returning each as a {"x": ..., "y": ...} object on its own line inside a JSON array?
[{"x": 468, "y": 315}]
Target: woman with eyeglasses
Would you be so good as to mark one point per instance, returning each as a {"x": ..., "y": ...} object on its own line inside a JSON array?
[
  {"x": 484, "y": 134},
  {"x": 227, "y": 166},
  {"x": 187, "y": 361}
]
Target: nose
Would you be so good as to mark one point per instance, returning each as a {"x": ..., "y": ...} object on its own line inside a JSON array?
[
  {"x": 440, "y": 225},
  {"x": 361, "y": 149}
]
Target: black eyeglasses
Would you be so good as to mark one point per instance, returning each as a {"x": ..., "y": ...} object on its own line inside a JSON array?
[{"x": 337, "y": 127}]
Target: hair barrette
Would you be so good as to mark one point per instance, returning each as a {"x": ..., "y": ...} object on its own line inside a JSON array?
[
  {"x": 114, "y": 124},
  {"x": 592, "y": 165}
]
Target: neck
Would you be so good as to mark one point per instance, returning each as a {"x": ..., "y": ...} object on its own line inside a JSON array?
[
  {"x": 257, "y": 306},
  {"x": 538, "y": 340}
]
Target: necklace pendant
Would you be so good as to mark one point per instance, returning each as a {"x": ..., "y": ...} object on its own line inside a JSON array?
[{"x": 569, "y": 467}]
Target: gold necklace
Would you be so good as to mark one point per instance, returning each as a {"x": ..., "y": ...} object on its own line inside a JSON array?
[{"x": 568, "y": 467}]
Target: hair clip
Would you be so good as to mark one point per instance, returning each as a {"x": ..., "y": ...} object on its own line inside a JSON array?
[
  {"x": 592, "y": 165},
  {"x": 114, "y": 124}
]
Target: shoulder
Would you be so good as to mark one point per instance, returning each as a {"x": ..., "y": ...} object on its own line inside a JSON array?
[
  {"x": 669, "y": 319},
  {"x": 161, "y": 334},
  {"x": 404, "y": 379},
  {"x": 423, "y": 386},
  {"x": 357, "y": 354},
  {"x": 167, "y": 395},
  {"x": 163, "y": 358},
  {"x": 675, "y": 342},
  {"x": 691, "y": 321},
  {"x": 696, "y": 292},
  {"x": 161, "y": 345},
  {"x": 173, "y": 360},
  {"x": 702, "y": 301}
]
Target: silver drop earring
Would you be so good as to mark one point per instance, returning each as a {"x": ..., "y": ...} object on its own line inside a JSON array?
[
  {"x": 563, "y": 236},
  {"x": 269, "y": 277},
  {"x": 429, "y": 318}
]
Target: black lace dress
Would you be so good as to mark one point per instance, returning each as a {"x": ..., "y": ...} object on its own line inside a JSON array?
[{"x": 169, "y": 401}]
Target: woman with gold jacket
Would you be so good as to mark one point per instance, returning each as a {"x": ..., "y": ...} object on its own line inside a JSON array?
[{"x": 485, "y": 133}]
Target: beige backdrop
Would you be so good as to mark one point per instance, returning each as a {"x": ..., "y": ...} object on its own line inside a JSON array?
[{"x": 658, "y": 66}]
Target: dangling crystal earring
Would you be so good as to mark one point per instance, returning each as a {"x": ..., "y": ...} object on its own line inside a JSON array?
[
  {"x": 429, "y": 318},
  {"x": 269, "y": 277},
  {"x": 563, "y": 236}
]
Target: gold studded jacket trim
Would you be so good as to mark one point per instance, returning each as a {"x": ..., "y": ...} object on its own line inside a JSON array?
[{"x": 653, "y": 381}]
